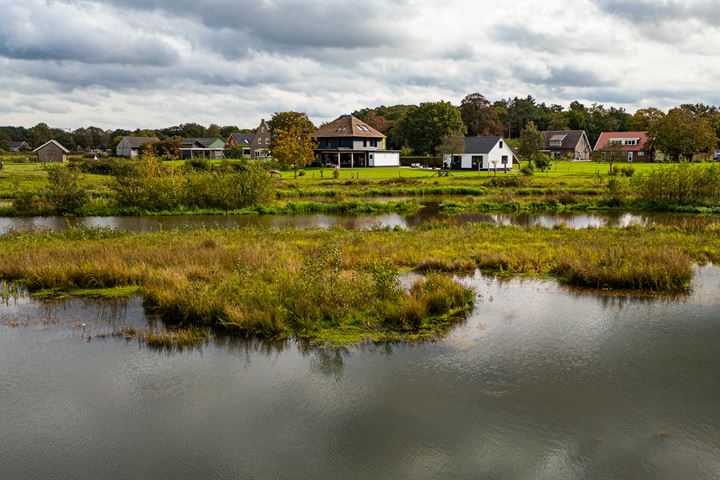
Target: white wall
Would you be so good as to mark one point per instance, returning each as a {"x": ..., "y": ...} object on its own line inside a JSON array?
[
  {"x": 384, "y": 159},
  {"x": 487, "y": 158}
]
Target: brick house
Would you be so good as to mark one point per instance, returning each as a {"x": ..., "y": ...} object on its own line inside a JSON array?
[
  {"x": 567, "y": 145},
  {"x": 634, "y": 144}
]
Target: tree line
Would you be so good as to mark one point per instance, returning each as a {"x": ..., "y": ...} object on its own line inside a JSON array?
[
  {"x": 420, "y": 129},
  {"x": 97, "y": 138}
]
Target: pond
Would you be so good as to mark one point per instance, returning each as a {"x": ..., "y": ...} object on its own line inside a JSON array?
[
  {"x": 357, "y": 222},
  {"x": 540, "y": 382}
]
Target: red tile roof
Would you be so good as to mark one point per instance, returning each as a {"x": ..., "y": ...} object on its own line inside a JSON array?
[{"x": 605, "y": 137}]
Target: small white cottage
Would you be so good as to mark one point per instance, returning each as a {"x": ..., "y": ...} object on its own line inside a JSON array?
[{"x": 482, "y": 153}]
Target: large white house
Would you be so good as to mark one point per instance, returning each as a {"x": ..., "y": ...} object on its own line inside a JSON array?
[{"x": 482, "y": 153}]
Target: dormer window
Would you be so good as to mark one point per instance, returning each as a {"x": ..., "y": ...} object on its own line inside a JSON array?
[{"x": 556, "y": 143}]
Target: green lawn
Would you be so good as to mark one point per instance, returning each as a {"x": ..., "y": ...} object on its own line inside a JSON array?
[
  {"x": 560, "y": 170},
  {"x": 32, "y": 177}
]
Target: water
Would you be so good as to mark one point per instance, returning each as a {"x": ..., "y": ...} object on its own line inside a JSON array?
[
  {"x": 359, "y": 222},
  {"x": 542, "y": 382}
]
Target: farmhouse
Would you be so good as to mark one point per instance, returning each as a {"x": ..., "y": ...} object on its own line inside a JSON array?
[
  {"x": 633, "y": 144},
  {"x": 243, "y": 141},
  {"x": 212, "y": 148},
  {"x": 567, "y": 144},
  {"x": 349, "y": 142},
  {"x": 51, "y": 152},
  {"x": 482, "y": 153},
  {"x": 130, "y": 146}
]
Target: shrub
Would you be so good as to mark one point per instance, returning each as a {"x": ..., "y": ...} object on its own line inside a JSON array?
[
  {"x": 28, "y": 203},
  {"x": 527, "y": 170},
  {"x": 508, "y": 181},
  {"x": 64, "y": 191},
  {"x": 200, "y": 164},
  {"x": 541, "y": 161},
  {"x": 626, "y": 171}
]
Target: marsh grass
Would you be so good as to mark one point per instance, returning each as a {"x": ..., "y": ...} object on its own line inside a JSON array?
[{"x": 343, "y": 286}]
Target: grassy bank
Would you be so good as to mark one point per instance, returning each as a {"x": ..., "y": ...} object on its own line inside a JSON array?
[
  {"x": 170, "y": 188},
  {"x": 341, "y": 286}
]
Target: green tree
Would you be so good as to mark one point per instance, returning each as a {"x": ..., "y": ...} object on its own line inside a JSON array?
[
  {"x": 427, "y": 125},
  {"x": 682, "y": 133},
  {"x": 40, "y": 134},
  {"x": 645, "y": 119},
  {"x": 283, "y": 121},
  {"x": 64, "y": 191},
  {"x": 479, "y": 116},
  {"x": 292, "y": 147},
  {"x": 531, "y": 141}
]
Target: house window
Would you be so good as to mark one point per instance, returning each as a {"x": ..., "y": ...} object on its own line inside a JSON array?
[
  {"x": 504, "y": 160},
  {"x": 477, "y": 161},
  {"x": 556, "y": 143},
  {"x": 364, "y": 142},
  {"x": 501, "y": 144},
  {"x": 641, "y": 154}
]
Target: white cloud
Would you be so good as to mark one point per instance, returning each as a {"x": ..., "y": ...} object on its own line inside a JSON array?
[{"x": 159, "y": 62}]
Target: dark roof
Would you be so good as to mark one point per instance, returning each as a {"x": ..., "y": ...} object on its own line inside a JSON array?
[
  {"x": 570, "y": 138},
  {"x": 481, "y": 144},
  {"x": 347, "y": 126},
  {"x": 137, "y": 142},
  {"x": 243, "y": 138},
  {"x": 203, "y": 142},
  {"x": 19, "y": 144}
]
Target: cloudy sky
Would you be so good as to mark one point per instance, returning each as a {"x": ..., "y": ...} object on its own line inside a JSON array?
[{"x": 154, "y": 63}]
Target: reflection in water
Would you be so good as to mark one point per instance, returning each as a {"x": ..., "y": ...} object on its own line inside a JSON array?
[
  {"x": 430, "y": 212},
  {"x": 541, "y": 381}
]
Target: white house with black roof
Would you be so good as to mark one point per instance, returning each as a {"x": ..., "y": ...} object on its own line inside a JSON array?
[{"x": 482, "y": 153}]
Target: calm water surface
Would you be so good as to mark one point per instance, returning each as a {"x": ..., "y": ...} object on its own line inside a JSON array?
[
  {"x": 359, "y": 222},
  {"x": 541, "y": 382}
]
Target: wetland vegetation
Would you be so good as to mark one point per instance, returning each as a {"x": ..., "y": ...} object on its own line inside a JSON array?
[{"x": 338, "y": 286}]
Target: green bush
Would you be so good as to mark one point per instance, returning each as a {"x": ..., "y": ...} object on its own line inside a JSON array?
[
  {"x": 64, "y": 191},
  {"x": 681, "y": 184},
  {"x": 153, "y": 186}
]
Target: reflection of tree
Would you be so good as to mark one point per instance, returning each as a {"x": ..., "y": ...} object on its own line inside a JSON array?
[{"x": 328, "y": 363}]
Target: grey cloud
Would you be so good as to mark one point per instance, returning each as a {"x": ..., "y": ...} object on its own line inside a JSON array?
[
  {"x": 60, "y": 32},
  {"x": 653, "y": 12},
  {"x": 293, "y": 26},
  {"x": 562, "y": 76}
]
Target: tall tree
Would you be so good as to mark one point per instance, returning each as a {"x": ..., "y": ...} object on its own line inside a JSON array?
[
  {"x": 521, "y": 111},
  {"x": 292, "y": 147},
  {"x": 645, "y": 119},
  {"x": 479, "y": 116},
  {"x": 683, "y": 133},
  {"x": 531, "y": 141},
  {"x": 425, "y": 127},
  {"x": 282, "y": 121}
]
